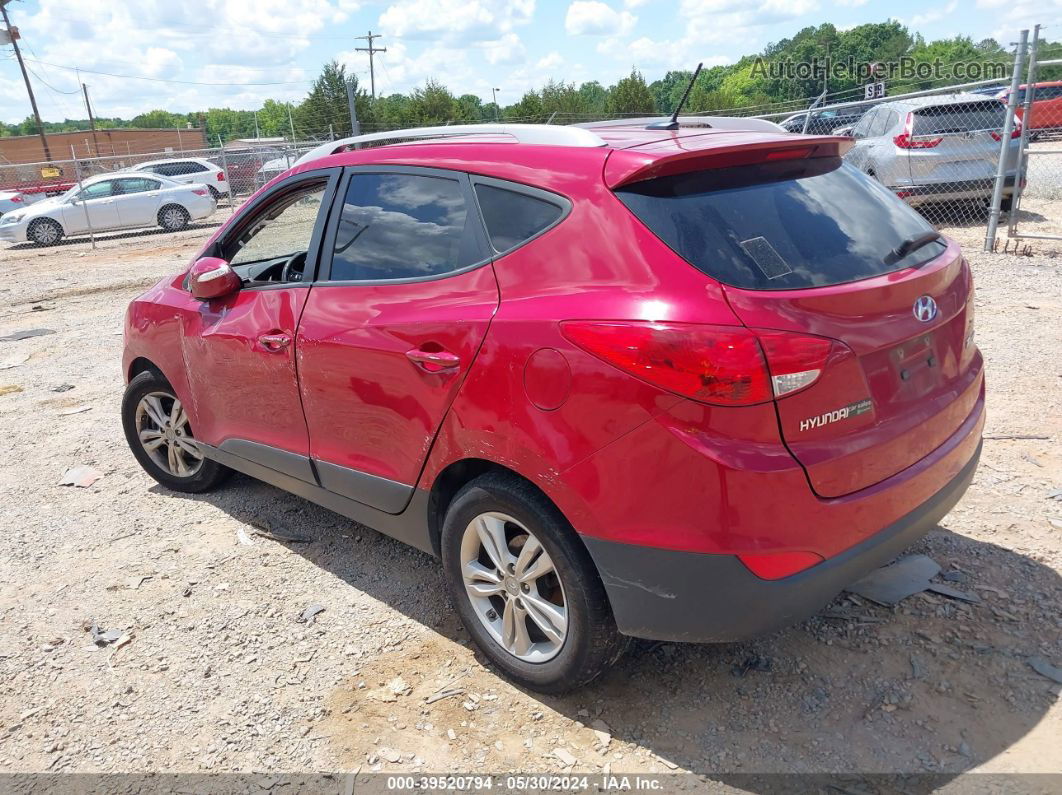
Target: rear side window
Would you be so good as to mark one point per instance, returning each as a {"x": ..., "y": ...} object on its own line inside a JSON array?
[
  {"x": 513, "y": 218},
  {"x": 987, "y": 115},
  {"x": 781, "y": 225},
  {"x": 403, "y": 226}
]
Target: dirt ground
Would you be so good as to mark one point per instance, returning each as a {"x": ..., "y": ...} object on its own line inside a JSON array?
[{"x": 218, "y": 674}]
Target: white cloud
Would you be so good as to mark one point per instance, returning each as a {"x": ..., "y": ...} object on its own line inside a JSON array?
[
  {"x": 594, "y": 18},
  {"x": 850, "y": 3},
  {"x": 455, "y": 20},
  {"x": 548, "y": 62},
  {"x": 933, "y": 15},
  {"x": 211, "y": 41},
  {"x": 505, "y": 51}
]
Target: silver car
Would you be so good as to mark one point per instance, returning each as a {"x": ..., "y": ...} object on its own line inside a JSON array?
[
  {"x": 108, "y": 202},
  {"x": 933, "y": 149}
]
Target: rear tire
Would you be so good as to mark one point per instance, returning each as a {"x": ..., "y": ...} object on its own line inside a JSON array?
[
  {"x": 544, "y": 621},
  {"x": 45, "y": 232},
  {"x": 173, "y": 218},
  {"x": 161, "y": 438}
]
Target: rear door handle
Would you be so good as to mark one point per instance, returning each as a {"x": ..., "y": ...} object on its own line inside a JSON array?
[
  {"x": 275, "y": 343},
  {"x": 434, "y": 361}
]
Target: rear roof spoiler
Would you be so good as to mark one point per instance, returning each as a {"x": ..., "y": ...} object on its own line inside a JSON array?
[{"x": 665, "y": 158}]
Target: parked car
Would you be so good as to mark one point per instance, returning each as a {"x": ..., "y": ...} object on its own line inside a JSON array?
[
  {"x": 823, "y": 122},
  {"x": 1045, "y": 113},
  {"x": 189, "y": 171},
  {"x": 932, "y": 149},
  {"x": 684, "y": 388},
  {"x": 988, "y": 91},
  {"x": 11, "y": 200},
  {"x": 126, "y": 200},
  {"x": 273, "y": 168}
]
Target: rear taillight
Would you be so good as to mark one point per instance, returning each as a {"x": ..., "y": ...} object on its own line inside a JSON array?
[
  {"x": 908, "y": 140},
  {"x": 795, "y": 360},
  {"x": 199, "y": 191},
  {"x": 16, "y": 199},
  {"x": 1015, "y": 133},
  {"x": 720, "y": 365},
  {"x": 221, "y": 176}
]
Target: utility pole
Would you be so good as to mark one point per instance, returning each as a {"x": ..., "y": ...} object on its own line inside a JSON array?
[
  {"x": 291, "y": 124},
  {"x": 371, "y": 50},
  {"x": 495, "y": 91},
  {"x": 355, "y": 128},
  {"x": 92, "y": 120},
  {"x": 13, "y": 35}
]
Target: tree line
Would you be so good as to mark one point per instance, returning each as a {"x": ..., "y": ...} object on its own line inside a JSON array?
[{"x": 740, "y": 88}]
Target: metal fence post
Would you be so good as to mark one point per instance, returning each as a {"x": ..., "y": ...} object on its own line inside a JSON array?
[
  {"x": 1026, "y": 108},
  {"x": 80, "y": 189},
  {"x": 1004, "y": 146},
  {"x": 228, "y": 178}
]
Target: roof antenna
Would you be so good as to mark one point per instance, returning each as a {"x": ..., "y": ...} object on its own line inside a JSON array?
[{"x": 672, "y": 123}]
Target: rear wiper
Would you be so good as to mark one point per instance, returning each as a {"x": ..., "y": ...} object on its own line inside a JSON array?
[{"x": 911, "y": 244}]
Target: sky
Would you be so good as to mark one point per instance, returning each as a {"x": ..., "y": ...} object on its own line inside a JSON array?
[{"x": 471, "y": 46}]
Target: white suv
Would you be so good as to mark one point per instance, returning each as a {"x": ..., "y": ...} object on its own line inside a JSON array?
[{"x": 189, "y": 170}]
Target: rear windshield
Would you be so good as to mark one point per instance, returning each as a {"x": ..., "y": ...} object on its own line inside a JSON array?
[
  {"x": 781, "y": 225},
  {"x": 968, "y": 116}
]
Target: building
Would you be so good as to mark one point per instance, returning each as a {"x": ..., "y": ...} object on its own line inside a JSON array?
[{"x": 104, "y": 143}]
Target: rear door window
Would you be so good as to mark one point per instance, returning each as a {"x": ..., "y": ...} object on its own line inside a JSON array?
[
  {"x": 960, "y": 117},
  {"x": 781, "y": 225},
  {"x": 514, "y": 216}
]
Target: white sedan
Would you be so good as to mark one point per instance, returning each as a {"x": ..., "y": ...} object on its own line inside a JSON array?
[{"x": 108, "y": 202}]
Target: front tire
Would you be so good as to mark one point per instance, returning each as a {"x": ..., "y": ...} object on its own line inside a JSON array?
[
  {"x": 173, "y": 218},
  {"x": 45, "y": 232},
  {"x": 525, "y": 587},
  {"x": 160, "y": 436}
]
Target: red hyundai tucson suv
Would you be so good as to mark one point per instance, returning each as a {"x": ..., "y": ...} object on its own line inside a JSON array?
[{"x": 625, "y": 382}]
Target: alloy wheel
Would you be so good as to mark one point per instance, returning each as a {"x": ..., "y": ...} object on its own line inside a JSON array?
[
  {"x": 173, "y": 218},
  {"x": 164, "y": 432},
  {"x": 45, "y": 234},
  {"x": 513, "y": 587}
]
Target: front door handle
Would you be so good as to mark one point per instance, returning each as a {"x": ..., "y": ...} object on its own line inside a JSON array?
[
  {"x": 434, "y": 361},
  {"x": 275, "y": 343}
]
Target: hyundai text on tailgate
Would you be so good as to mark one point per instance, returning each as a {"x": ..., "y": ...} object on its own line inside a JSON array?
[{"x": 681, "y": 384}]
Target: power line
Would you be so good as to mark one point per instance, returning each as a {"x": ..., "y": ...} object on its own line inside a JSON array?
[{"x": 165, "y": 80}]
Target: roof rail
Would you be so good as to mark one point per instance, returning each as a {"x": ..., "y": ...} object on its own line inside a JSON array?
[
  {"x": 542, "y": 134},
  {"x": 712, "y": 122}
]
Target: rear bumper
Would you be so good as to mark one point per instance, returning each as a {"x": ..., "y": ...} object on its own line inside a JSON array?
[
  {"x": 944, "y": 191},
  {"x": 663, "y": 594}
]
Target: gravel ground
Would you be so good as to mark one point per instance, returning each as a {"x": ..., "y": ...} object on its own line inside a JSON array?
[{"x": 215, "y": 672}]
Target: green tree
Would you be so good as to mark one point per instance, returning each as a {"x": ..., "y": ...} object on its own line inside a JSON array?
[
  {"x": 157, "y": 118},
  {"x": 433, "y": 104},
  {"x": 630, "y": 96},
  {"x": 326, "y": 106},
  {"x": 564, "y": 100},
  {"x": 594, "y": 96},
  {"x": 528, "y": 109}
]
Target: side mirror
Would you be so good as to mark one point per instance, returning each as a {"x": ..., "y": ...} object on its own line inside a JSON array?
[{"x": 212, "y": 277}]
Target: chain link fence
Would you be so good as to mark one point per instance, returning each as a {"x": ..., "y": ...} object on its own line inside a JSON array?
[
  {"x": 104, "y": 195},
  {"x": 945, "y": 151},
  {"x": 1036, "y": 213}
]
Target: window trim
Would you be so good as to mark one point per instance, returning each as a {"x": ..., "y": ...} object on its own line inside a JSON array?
[
  {"x": 250, "y": 210},
  {"x": 349, "y": 172},
  {"x": 561, "y": 202}
]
